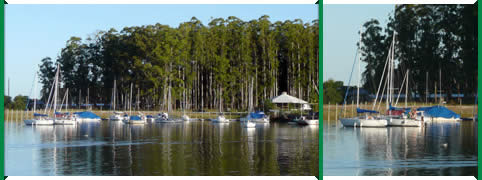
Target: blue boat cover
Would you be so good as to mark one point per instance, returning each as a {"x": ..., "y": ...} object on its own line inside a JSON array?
[
  {"x": 137, "y": 118},
  {"x": 358, "y": 110},
  {"x": 398, "y": 109},
  {"x": 87, "y": 114},
  {"x": 257, "y": 114},
  {"x": 438, "y": 111},
  {"x": 37, "y": 114},
  {"x": 149, "y": 116}
]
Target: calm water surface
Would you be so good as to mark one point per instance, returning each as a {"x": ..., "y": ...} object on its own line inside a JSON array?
[
  {"x": 189, "y": 148},
  {"x": 439, "y": 148}
]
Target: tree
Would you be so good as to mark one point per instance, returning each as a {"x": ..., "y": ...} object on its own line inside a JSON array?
[
  {"x": 332, "y": 92},
  {"x": 192, "y": 66}
]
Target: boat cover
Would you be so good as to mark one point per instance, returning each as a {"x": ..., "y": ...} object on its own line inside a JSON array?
[
  {"x": 87, "y": 115},
  {"x": 358, "y": 110},
  {"x": 136, "y": 118},
  {"x": 37, "y": 114},
  {"x": 438, "y": 111},
  {"x": 399, "y": 109},
  {"x": 257, "y": 115}
]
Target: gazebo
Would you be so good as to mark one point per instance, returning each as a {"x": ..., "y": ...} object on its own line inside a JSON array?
[{"x": 284, "y": 98}]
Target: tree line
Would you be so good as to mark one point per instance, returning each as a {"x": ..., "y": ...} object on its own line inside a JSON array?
[
  {"x": 192, "y": 66},
  {"x": 437, "y": 43},
  {"x": 18, "y": 102}
]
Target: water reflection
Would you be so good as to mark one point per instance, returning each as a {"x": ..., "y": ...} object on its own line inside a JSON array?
[
  {"x": 194, "y": 148},
  {"x": 439, "y": 148}
]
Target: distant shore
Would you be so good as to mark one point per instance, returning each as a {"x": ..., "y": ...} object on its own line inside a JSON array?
[{"x": 332, "y": 112}]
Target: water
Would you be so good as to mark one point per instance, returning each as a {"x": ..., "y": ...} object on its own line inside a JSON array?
[
  {"x": 189, "y": 148},
  {"x": 438, "y": 149}
]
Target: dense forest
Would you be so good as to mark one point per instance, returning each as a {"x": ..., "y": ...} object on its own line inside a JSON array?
[
  {"x": 194, "y": 66},
  {"x": 435, "y": 42}
]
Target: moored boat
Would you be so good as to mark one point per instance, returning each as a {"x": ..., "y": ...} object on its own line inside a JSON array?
[
  {"x": 258, "y": 117},
  {"x": 220, "y": 119},
  {"x": 117, "y": 116}
]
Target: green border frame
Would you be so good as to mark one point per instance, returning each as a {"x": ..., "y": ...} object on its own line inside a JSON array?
[
  {"x": 479, "y": 91},
  {"x": 320, "y": 87},
  {"x": 2, "y": 74}
]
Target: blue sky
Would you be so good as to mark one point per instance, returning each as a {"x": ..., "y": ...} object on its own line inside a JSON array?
[
  {"x": 33, "y": 32},
  {"x": 341, "y": 24}
]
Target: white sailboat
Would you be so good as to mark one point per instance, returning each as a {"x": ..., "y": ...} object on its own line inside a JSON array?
[
  {"x": 136, "y": 119},
  {"x": 401, "y": 119},
  {"x": 43, "y": 119},
  {"x": 247, "y": 122},
  {"x": 254, "y": 117},
  {"x": 39, "y": 119},
  {"x": 365, "y": 120},
  {"x": 221, "y": 118},
  {"x": 116, "y": 116},
  {"x": 65, "y": 118}
]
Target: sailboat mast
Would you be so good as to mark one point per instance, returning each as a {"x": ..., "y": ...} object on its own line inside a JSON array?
[
  {"x": 440, "y": 85},
  {"x": 406, "y": 90},
  {"x": 35, "y": 93},
  {"x": 426, "y": 88},
  {"x": 67, "y": 101},
  {"x": 359, "y": 73},
  {"x": 392, "y": 68},
  {"x": 114, "y": 94},
  {"x": 130, "y": 101},
  {"x": 56, "y": 89}
]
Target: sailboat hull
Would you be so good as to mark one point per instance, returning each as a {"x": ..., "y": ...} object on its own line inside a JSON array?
[
  {"x": 357, "y": 122},
  {"x": 308, "y": 122},
  {"x": 249, "y": 125},
  {"x": 65, "y": 122},
  {"x": 39, "y": 122},
  {"x": 404, "y": 122}
]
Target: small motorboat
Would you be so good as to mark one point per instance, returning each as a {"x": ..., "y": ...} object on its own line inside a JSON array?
[
  {"x": 117, "y": 116},
  {"x": 305, "y": 121},
  {"x": 220, "y": 119},
  {"x": 258, "y": 117},
  {"x": 164, "y": 118},
  {"x": 137, "y": 119},
  {"x": 248, "y": 124},
  {"x": 185, "y": 117}
]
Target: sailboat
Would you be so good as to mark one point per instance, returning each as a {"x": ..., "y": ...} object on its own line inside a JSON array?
[
  {"x": 116, "y": 116},
  {"x": 65, "y": 118},
  {"x": 366, "y": 119},
  {"x": 39, "y": 119},
  {"x": 221, "y": 118},
  {"x": 43, "y": 119},
  {"x": 247, "y": 122},
  {"x": 135, "y": 119},
  {"x": 258, "y": 116},
  {"x": 407, "y": 116}
]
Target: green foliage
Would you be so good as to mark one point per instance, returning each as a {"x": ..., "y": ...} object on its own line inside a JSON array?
[
  {"x": 193, "y": 66},
  {"x": 332, "y": 92},
  {"x": 7, "y": 102},
  {"x": 19, "y": 102},
  {"x": 430, "y": 39},
  {"x": 268, "y": 105}
]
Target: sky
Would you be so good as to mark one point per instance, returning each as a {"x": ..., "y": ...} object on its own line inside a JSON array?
[
  {"x": 33, "y": 32},
  {"x": 341, "y": 24}
]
